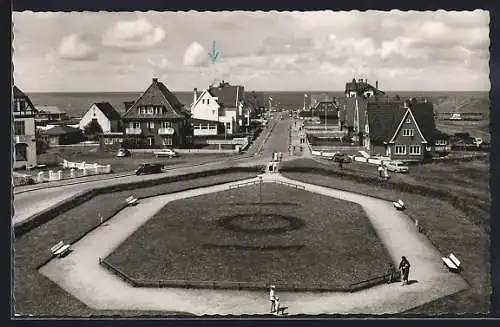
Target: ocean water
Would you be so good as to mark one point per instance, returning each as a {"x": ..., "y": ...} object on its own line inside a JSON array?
[{"x": 76, "y": 104}]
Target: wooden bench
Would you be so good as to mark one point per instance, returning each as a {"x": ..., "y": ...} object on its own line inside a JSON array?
[
  {"x": 132, "y": 200},
  {"x": 449, "y": 264},
  {"x": 60, "y": 249},
  {"x": 399, "y": 205},
  {"x": 281, "y": 311}
]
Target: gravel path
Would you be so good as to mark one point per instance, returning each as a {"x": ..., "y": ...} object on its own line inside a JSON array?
[{"x": 81, "y": 275}]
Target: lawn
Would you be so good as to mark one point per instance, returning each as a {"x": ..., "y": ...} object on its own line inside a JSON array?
[
  {"x": 302, "y": 239},
  {"x": 35, "y": 294},
  {"x": 448, "y": 228},
  {"x": 55, "y": 156}
]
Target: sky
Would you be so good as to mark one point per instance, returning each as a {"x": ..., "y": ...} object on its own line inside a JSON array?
[{"x": 264, "y": 51}]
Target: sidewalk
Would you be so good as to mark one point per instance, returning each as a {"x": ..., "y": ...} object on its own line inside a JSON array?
[
  {"x": 81, "y": 275},
  {"x": 298, "y": 133}
]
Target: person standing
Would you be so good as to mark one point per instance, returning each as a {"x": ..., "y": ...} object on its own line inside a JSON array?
[
  {"x": 272, "y": 298},
  {"x": 404, "y": 268},
  {"x": 380, "y": 170}
]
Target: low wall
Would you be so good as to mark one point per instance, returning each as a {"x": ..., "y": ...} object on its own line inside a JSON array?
[
  {"x": 254, "y": 286},
  {"x": 52, "y": 212},
  {"x": 207, "y": 151}
]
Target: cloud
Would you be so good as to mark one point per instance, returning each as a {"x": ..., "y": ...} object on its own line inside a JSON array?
[
  {"x": 195, "y": 55},
  {"x": 77, "y": 47},
  {"x": 133, "y": 35}
]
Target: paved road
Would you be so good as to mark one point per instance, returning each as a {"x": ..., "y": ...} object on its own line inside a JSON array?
[
  {"x": 29, "y": 203},
  {"x": 81, "y": 275}
]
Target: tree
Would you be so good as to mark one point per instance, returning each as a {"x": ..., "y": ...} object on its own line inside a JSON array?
[{"x": 92, "y": 128}]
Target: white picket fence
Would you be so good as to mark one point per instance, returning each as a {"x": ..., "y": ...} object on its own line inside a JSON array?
[
  {"x": 98, "y": 169},
  {"x": 374, "y": 161}
]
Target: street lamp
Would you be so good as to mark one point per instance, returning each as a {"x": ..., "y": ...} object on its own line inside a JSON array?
[{"x": 260, "y": 195}]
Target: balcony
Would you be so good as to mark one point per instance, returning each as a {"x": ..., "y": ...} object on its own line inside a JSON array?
[
  {"x": 133, "y": 131},
  {"x": 165, "y": 131},
  {"x": 24, "y": 138}
]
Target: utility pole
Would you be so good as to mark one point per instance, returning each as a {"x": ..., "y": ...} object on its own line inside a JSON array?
[
  {"x": 260, "y": 195},
  {"x": 325, "y": 119}
]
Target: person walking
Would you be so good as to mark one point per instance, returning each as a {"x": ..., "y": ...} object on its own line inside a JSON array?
[
  {"x": 380, "y": 170},
  {"x": 404, "y": 268},
  {"x": 272, "y": 298}
]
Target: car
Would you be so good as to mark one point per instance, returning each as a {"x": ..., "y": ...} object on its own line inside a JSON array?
[
  {"x": 397, "y": 167},
  {"x": 123, "y": 153},
  {"x": 338, "y": 157},
  {"x": 166, "y": 153},
  {"x": 149, "y": 168}
]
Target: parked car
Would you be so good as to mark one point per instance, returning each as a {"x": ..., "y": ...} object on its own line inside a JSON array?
[
  {"x": 338, "y": 157},
  {"x": 397, "y": 166},
  {"x": 123, "y": 153},
  {"x": 166, "y": 153},
  {"x": 146, "y": 168}
]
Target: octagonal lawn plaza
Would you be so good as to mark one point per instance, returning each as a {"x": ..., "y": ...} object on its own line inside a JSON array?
[{"x": 295, "y": 237}]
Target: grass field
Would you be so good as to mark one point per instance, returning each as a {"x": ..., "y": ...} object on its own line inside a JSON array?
[
  {"x": 35, "y": 294},
  {"x": 55, "y": 156},
  {"x": 184, "y": 241},
  {"x": 449, "y": 229}
]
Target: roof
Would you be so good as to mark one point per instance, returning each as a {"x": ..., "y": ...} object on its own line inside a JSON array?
[
  {"x": 423, "y": 112},
  {"x": 360, "y": 87},
  {"x": 108, "y": 110},
  {"x": 50, "y": 109},
  {"x": 157, "y": 94},
  {"x": 61, "y": 130},
  {"x": 228, "y": 95},
  {"x": 349, "y": 113},
  {"x": 384, "y": 119},
  {"x": 18, "y": 94},
  {"x": 326, "y": 105}
]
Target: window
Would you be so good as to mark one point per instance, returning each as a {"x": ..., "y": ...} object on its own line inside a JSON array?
[
  {"x": 408, "y": 132},
  {"x": 108, "y": 140},
  {"x": 150, "y": 110},
  {"x": 415, "y": 149},
  {"x": 150, "y": 125},
  {"x": 21, "y": 152},
  {"x": 441, "y": 142},
  {"x": 400, "y": 149},
  {"x": 19, "y": 128},
  {"x": 208, "y": 101},
  {"x": 134, "y": 124},
  {"x": 213, "y": 112},
  {"x": 408, "y": 120},
  {"x": 167, "y": 140},
  {"x": 166, "y": 124},
  {"x": 203, "y": 101}
]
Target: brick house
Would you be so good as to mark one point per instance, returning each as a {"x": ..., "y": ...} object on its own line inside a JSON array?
[
  {"x": 157, "y": 119},
  {"x": 403, "y": 130}
]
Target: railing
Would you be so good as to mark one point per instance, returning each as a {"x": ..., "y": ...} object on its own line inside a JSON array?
[
  {"x": 297, "y": 186},
  {"x": 133, "y": 131},
  {"x": 165, "y": 131},
  {"x": 243, "y": 184},
  {"x": 243, "y": 285}
]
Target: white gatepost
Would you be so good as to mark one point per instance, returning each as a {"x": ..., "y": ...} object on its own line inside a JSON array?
[
  {"x": 59, "y": 174},
  {"x": 72, "y": 173},
  {"x": 40, "y": 177},
  {"x": 108, "y": 169}
]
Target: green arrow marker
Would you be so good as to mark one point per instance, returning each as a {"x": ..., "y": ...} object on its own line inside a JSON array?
[{"x": 214, "y": 53}]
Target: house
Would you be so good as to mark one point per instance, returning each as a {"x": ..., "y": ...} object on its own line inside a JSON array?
[
  {"x": 62, "y": 135},
  {"x": 24, "y": 130},
  {"x": 361, "y": 88},
  {"x": 203, "y": 127},
  {"x": 326, "y": 107},
  {"x": 403, "y": 130},
  {"x": 105, "y": 114},
  {"x": 47, "y": 114},
  {"x": 223, "y": 103},
  {"x": 157, "y": 119}
]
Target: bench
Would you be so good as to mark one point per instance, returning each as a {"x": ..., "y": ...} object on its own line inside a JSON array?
[
  {"x": 455, "y": 260},
  {"x": 399, "y": 205},
  {"x": 132, "y": 200},
  {"x": 60, "y": 249},
  {"x": 449, "y": 264}
]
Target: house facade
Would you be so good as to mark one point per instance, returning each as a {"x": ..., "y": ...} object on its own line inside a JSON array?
[
  {"x": 105, "y": 114},
  {"x": 157, "y": 119},
  {"x": 47, "y": 114},
  {"x": 223, "y": 103},
  {"x": 24, "y": 130},
  {"x": 403, "y": 130}
]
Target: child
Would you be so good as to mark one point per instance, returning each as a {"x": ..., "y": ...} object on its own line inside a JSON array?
[{"x": 272, "y": 298}]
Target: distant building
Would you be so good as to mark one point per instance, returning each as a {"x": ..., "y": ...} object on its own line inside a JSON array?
[
  {"x": 157, "y": 119},
  {"x": 47, "y": 114},
  {"x": 62, "y": 135},
  {"x": 24, "y": 130},
  {"x": 403, "y": 130},
  {"x": 105, "y": 114},
  {"x": 223, "y": 103},
  {"x": 361, "y": 88}
]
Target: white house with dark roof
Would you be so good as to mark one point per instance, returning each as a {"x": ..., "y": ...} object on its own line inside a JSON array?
[
  {"x": 223, "y": 103},
  {"x": 105, "y": 114},
  {"x": 24, "y": 130}
]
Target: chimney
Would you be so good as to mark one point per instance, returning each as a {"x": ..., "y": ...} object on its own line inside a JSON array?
[
  {"x": 376, "y": 85},
  {"x": 155, "y": 80},
  {"x": 195, "y": 95}
]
